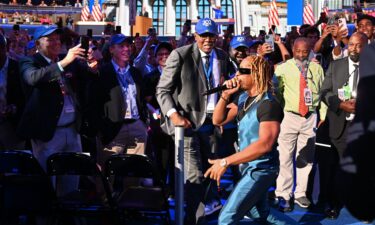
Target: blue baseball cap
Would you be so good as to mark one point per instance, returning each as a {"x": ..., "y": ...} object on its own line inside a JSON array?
[
  {"x": 44, "y": 31},
  {"x": 118, "y": 39},
  {"x": 206, "y": 25},
  {"x": 238, "y": 41}
]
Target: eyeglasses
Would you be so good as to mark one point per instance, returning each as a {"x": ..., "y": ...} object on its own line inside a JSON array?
[
  {"x": 207, "y": 36},
  {"x": 244, "y": 71}
]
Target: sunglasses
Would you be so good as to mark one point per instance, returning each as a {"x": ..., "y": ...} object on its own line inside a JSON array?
[{"x": 244, "y": 71}]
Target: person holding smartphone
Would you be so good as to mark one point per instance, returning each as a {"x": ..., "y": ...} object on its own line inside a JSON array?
[
  {"x": 145, "y": 60},
  {"x": 55, "y": 88}
]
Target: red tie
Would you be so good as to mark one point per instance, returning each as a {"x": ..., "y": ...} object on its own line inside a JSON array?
[{"x": 303, "y": 109}]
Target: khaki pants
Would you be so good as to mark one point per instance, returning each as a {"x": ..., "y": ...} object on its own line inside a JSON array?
[
  {"x": 296, "y": 140},
  {"x": 131, "y": 139}
]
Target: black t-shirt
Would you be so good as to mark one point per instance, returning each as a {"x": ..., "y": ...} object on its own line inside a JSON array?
[{"x": 268, "y": 109}]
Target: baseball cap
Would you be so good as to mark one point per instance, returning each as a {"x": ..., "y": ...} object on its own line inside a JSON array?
[
  {"x": 44, "y": 31},
  {"x": 206, "y": 25},
  {"x": 118, "y": 39},
  {"x": 238, "y": 41}
]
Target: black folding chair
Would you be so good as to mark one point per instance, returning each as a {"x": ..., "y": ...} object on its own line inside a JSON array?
[
  {"x": 25, "y": 189},
  {"x": 150, "y": 198},
  {"x": 92, "y": 198}
]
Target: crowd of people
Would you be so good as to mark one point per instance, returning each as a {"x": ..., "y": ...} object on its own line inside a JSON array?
[{"x": 126, "y": 95}]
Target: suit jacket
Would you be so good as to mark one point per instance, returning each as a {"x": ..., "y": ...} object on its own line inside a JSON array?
[
  {"x": 151, "y": 80},
  {"x": 108, "y": 103},
  {"x": 44, "y": 98},
  {"x": 182, "y": 83},
  {"x": 14, "y": 91},
  {"x": 336, "y": 77}
]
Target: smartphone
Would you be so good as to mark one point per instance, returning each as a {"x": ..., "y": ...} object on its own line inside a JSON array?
[
  {"x": 246, "y": 31},
  {"x": 269, "y": 39},
  {"x": 151, "y": 31},
  {"x": 331, "y": 21},
  {"x": 262, "y": 32},
  {"x": 342, "y": 24},
  {"x": 318, "y": 56},
  {"x": 118, "y": 30},
  {"x": 89, "y": 33},
  {"x": 137, "y": 34},
  {"x": 85, "y": 44}
]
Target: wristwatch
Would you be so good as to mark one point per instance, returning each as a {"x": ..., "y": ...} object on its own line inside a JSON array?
[{"x": 223, "y": 163}]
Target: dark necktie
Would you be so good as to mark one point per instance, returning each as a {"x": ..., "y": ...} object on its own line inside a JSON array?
[
  {"x": 207, "y": 67},
  {"x": 355, "y": 78},
  {"x": 207, "y": 63}
]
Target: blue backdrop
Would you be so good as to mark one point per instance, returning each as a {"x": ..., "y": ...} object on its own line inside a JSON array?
[{"x": 295, "y": 12}]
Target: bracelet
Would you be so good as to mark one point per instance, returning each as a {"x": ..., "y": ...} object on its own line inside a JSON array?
[{"x": 225, "y": 100}]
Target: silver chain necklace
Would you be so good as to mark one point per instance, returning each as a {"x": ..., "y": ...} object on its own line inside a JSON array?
[{"x": 245, "y": 108}]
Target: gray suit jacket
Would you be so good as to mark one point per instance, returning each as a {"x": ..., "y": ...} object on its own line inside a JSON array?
[
  {"x": 336, "y": 77},
  {"x": 182, "y": 83}
]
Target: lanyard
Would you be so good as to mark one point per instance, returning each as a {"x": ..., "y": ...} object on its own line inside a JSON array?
[
  {"x": 124, "y": 82},
  {"x": 303, "y": 71}
]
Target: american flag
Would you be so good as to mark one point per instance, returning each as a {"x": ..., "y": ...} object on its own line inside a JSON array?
[
  {"x": 273, "y": 15},
  {"x": 97, "y": 12},
  {"x": 325, "y": 7},
  {"x": 85, "y": 12},
  {"x": 308, "y": 14}
]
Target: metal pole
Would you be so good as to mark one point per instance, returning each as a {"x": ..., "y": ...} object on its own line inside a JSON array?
[{"x": 179, "y": 175}]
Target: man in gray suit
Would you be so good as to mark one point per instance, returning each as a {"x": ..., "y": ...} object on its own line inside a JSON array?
[{"x": 190, "y": 71}]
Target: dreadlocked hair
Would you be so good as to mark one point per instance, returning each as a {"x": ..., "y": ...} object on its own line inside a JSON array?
[{"x": 263, "y": 72}]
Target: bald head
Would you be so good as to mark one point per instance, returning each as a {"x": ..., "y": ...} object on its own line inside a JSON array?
[
  {"x": 301, "y": 49},
  {"x": 356, "y": 43},
  {"x": 360, "y": 35}
]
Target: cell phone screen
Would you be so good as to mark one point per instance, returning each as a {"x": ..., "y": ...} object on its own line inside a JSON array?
[
  {"x": 85, "y": 44},
  {"x": 269, "y": 39}
]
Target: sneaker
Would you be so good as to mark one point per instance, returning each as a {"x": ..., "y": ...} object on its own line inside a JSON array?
[
  {"x": 285, "y": 205},
  {"x": 303, "y": 202},
  {"x": 212, "y": 207}
]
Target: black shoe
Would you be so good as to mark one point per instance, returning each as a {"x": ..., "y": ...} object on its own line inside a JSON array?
[
  {"x": 285, "y": 205},
  {"x": 332, "y": 213}
]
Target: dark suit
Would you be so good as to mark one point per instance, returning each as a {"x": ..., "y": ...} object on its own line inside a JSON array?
[
  {"x": 180, "y": 87},
  {"x": 44, "y": 97},
  {"x": 337, "y": 76},
  {"x": 108, "y": 103},
  {"x": 15, "y": 98}
]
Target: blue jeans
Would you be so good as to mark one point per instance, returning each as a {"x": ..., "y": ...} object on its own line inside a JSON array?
[{"x": 250, "y": 198}]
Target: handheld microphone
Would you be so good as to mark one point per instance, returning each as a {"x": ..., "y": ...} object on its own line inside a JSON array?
[{"x": 215, "y": 90}]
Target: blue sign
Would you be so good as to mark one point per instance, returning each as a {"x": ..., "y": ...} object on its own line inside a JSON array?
[{"x": 295, "y": 12}]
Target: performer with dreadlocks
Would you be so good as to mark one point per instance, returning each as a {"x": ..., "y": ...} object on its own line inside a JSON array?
[{"x": 259, "y": 116}]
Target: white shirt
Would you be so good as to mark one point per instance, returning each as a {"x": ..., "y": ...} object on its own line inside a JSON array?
[{"x": 351, "y": 82}]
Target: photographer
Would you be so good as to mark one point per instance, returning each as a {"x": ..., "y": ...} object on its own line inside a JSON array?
[
  {"x": 184, "y": 34},
  {"x": 145, "y": 61},
  {"x": 54, "y": 87}
]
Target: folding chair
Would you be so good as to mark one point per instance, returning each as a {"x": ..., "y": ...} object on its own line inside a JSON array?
[
  {"x": 136, "y": 196},
  {"x": 92, "y": 198},
  {"x": 25, "y": 189}
]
